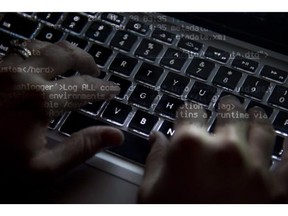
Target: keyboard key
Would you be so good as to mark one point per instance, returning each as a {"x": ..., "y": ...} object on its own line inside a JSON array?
[
  {"x": 102, "y": 75},
  {"x": 134, "y": 147},
  {"x": 77, "y": 121},
  {"x": 18, "y": 25},
  {"x": 278, "y": 147},
  {"x": 217, "y": 54},
  {"x": 163, "y": 36},
  {"x": 138, "y": 27},
  {"x": 143, "y": 96},
  {"x": 202, "y": 93},
  {"x": 112, "y": 18},
  {"x": 281, "y": 122},
  {"x": 49, "y": 17},
  {"x": 279, "y": 97},
  {"x": 53, "y": 123},
  {"x": 101, "y": 54},
  {"x": 143, "y": 122},
  {"x": 274, "y": 74},
  {"x": 49, "y": 34},
  {"x": 99, "y": 31},
  {"x": 245, "y": 64},
  {"x": 167, "y": 128},
  {"x": 123, "y": 40},
  {"x": 227, "y": 78},
  {"x": 224, "y": 93},
  {"x": 175, "y": 83},
  {"x": 148, "y": 49},
  {"x": 254, "y": 87},
  {"x": 149, "y": 74},
  {"x": 123, "y": 83},
  {"x": 123, "y": 64},
  {"x": 78, "y": 42},
  {"x": 4, "y": 42},
  {"x": 174, "y": 59},
  {"x": 168, "y": 106},
  {"x": 116, "y": 112},
  {"x": 93, "y": 108},
  {"x": 190, "y": 45},
  {"x": 75, "y": 22},
  {"x": 268, "y": 110},
  {"x": 200, "y": 68}
]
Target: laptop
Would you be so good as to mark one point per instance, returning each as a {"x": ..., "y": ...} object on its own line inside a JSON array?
[{"x": 160, "y": 61}]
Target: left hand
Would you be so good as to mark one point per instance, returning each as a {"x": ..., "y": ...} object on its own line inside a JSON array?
[{"x": 25, "y": 111}]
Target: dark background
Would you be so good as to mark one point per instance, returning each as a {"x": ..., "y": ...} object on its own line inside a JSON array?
[{"x": 268, "y": 30}]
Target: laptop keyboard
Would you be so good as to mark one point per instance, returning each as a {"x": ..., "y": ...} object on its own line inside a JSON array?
[{"x": 157, "y": 70}]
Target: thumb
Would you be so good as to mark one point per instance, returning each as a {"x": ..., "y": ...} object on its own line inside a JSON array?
[
  {"x": 154, "y": 163},
  {"x": 76, "y": 149},
  {"x": 155, "y": 158}
]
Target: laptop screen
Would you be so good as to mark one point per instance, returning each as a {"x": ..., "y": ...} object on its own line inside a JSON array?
[{"x": 268, "y": 30}]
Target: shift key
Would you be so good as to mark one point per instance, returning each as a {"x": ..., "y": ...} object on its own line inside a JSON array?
[{"x": 19, "y": 25}]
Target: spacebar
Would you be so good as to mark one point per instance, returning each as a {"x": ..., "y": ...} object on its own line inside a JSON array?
[{"x": 134, "y": 148}]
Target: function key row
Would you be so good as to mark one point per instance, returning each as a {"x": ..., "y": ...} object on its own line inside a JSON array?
[{"x": 123, "y": 40}]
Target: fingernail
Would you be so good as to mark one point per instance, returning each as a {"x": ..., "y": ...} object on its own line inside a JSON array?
[{"x": 258, "y": 112}]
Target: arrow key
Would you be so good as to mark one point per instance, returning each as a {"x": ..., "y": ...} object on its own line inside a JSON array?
[{"x": 116, "y": 112}]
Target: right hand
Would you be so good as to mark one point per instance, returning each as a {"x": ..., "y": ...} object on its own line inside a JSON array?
[{"x": 230, "y": 166}]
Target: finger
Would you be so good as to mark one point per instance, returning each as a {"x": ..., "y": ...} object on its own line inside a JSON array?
[
  {"x": 154, "y": 160},
  {"x": 77, "y": 91},
  {"x": 75, "y": 150},
  {"x": 232, "y": 120},
  {"x": 154, "y": 163},
  {"x": 84, "y": 62},
  {"x": 14, "y": 59},
  {"x": 280, "y": 175},
  {"x": 55, "y": 59},
  {"x": 191, "y": 114},
  {"x": 190, "y": 127},
  {"x": 261, "y": 137}
]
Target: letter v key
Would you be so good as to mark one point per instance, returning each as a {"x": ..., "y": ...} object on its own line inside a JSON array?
[{"x": 117, "y": 110}]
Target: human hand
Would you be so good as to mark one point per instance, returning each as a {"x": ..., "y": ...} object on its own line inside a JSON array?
[
  {"x": 229, "y": 166},
  {"x": 26, "y": 108}
]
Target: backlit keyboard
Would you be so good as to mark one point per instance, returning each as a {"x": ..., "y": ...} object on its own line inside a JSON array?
[{"x": 157, "y": 70}]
